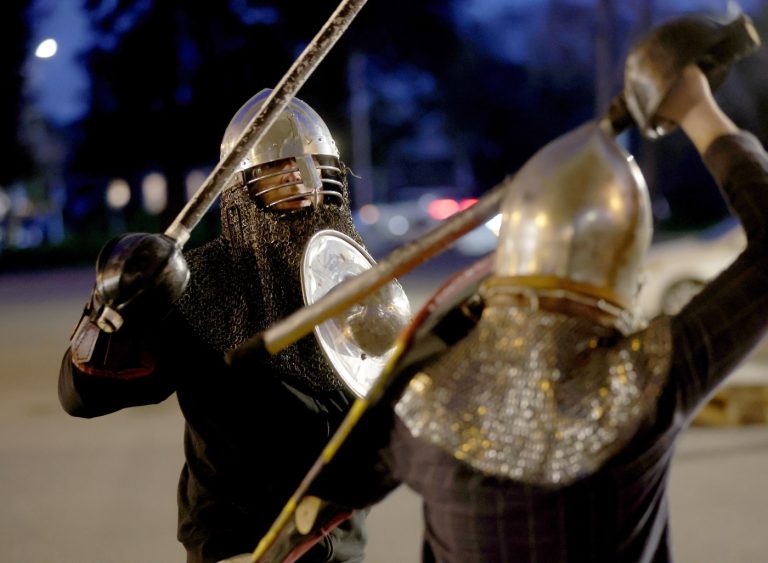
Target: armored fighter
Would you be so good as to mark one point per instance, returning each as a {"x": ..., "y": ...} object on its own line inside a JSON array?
[
  {"x": 250, "y": 433},
  {"x": 534, "y": 413}
]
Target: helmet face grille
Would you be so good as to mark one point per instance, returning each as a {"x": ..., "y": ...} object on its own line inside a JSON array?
[
  {"x": 271, "y": 185},
  {"x": 295, "y": 164}
]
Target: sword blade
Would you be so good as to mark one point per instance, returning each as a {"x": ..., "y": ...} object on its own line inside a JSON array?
[{"x": 181, "y": 228}]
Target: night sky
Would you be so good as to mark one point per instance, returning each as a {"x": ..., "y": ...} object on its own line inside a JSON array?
[{"x": 523, "y": 79}]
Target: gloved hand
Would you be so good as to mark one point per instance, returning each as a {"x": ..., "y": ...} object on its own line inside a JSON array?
[
  {"x": 655, "y": 64},
  {"x": 313, "y": 519},
  {"x": 138, "y": 277}
]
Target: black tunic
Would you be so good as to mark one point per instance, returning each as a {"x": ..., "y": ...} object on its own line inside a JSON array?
[{"x": 249, "y": 439}]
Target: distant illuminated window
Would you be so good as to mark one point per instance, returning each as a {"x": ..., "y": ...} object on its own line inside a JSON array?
[
  {"x": 5, "y": 204},
  {"x": 193, "y": 182},
  {"x": 118, "y": 194},
  {"x": 154, "y": 193}
]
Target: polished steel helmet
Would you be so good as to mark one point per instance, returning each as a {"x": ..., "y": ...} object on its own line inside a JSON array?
[
  {"x": 577, "y": 219},
  {"x": 298, "y": 149}
]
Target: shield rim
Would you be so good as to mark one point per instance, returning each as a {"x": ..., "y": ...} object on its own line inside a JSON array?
[{"x": 349, "y": 380}]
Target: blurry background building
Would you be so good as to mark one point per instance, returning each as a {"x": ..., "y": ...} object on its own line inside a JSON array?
[
  {"x": 111, "y": 114},
  {"x": 113, "y": 111}
]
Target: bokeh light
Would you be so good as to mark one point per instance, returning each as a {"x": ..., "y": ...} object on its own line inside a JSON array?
[
  {"x": 154, "y": 193},
  {"x": 46, "y": 49},
  {"x": 118, "y": 194}
]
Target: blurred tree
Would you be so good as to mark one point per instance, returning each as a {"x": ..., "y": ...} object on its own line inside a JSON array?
[
  {"x": 399, "y": 57},
  {"x": 17, "y": 162},
  {"x": 521, "y": 79},
  {"x": 410, "y": 49},
  {"x": 167, "y": 76},
  {"x": 495, "y": 84}
]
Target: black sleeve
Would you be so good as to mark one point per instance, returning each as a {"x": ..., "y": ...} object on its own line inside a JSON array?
[
  {"x": 726, "y": 320},
  {"x": 87, "y": 395},
  {"x": 88, "y": 391},
  {"x": 360, "y": 474}
]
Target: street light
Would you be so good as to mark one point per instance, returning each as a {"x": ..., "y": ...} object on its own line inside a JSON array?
[{"x": 46, "y": 49}]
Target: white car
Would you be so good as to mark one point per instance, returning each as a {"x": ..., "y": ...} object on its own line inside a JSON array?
[
  {"x": 386, "y": 226},
  {"x": 679, "y": 268}
]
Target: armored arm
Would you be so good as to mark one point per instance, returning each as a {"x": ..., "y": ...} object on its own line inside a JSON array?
[
  {"x": 109, "y": 363},
  {"x": 103, "y": 372},
  {"x": 669, "y": 79},
  {"x": 721, "y": 325}
]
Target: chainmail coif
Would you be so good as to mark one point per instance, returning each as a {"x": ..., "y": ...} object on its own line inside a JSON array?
[
  {"x": 249, "y": 278},
  {"x": 538, "y": 397}
]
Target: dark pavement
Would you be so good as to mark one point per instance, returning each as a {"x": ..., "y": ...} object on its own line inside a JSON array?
[{"x": 103, "y": 490}]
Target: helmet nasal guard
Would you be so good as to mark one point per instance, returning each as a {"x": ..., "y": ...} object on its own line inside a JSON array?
[{"x": 297, "y": 150}]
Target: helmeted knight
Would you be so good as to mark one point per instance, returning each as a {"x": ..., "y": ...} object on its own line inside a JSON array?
[
  {"x": 290, "y": 188},
  {"x": 558, "y": 373}
]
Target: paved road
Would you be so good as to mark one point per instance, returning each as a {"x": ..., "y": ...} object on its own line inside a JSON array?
[{"x": 103, "y": 491}]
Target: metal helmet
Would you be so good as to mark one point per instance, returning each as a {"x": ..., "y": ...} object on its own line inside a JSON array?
[
  {"x": 297, "y": 150},
  {"x": 577, "y": 218}
]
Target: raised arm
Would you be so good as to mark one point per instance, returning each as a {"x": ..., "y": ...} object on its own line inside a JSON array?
[
  {"x": 110, "y": 362},
  {"x": 691, "y": 105},
  {"x": 721, "y": 325}
]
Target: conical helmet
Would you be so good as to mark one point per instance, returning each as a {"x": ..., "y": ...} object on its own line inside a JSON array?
[
  {"x": 577, "y": 218},
  {"x": 297, "y": 150}
]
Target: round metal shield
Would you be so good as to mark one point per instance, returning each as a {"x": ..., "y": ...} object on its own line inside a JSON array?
[{"x": 358, "y": 342}]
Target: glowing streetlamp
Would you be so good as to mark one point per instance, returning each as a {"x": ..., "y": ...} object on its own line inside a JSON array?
[{"x": 46, "y": 49}]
